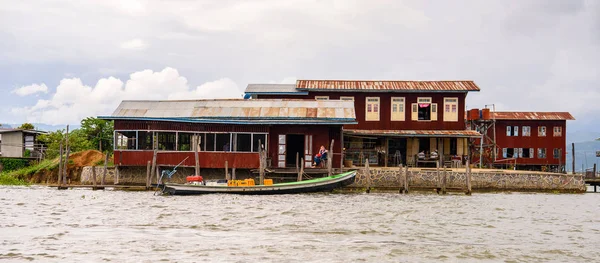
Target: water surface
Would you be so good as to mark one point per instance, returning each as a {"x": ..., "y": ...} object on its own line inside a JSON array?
[{"x": 47, "y": 225}]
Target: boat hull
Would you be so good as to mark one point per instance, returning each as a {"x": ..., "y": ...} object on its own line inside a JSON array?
[{"x": 318, "y": 185}]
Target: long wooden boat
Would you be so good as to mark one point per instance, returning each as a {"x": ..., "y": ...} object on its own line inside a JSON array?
[{"x": 314, "y": 185}]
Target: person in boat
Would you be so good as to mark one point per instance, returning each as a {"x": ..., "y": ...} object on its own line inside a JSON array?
[{"x": 320, "y": 156}]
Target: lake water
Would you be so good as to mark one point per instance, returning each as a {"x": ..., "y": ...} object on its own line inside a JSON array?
[{"x": 47, "y": 225}]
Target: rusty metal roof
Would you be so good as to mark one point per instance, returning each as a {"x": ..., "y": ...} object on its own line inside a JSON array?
[
  {"x": 387, "y": 85},
  {"x": 532, "y": 115},
  {"x": 276, "y": 111},
  {"x": 417, "y": 133}
]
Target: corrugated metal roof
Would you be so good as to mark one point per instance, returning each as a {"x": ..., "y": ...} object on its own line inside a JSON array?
[
  {"x": 386, "y": 85},
  {"x": 417, "y": 133},
  {"x": 532, "y": 115},
  {"x": 22, "y": 130},
  {"x": 273, "y": 89},
  {"x": 234, "y": 110}
]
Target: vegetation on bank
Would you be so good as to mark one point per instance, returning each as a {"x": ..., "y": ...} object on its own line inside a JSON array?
[
  {"x": 6, "y": 179},
  {"x": 18, "y": 177}
]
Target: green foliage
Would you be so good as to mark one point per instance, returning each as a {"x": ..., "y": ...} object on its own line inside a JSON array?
[
  {"x": 13, "y": 164},
  {"x": 77, "y": 142},
  {"x": 30, "y": 170},
  {"x": 27, "y": 126},
  {"x": 6, "y": 179},
  {"x": 99, "y": 133}
]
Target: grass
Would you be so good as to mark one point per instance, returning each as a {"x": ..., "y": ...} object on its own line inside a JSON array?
[{"x": 17, "y": 177}]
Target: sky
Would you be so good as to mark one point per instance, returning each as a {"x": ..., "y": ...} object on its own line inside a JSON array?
[{"x": 61, "y": 61}]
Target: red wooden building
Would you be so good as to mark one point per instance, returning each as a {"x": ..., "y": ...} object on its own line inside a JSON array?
[
  {"x": 525, "y": 140},
  {"x": 229, "y": 130},
  {"x": 395, "y": 119}
]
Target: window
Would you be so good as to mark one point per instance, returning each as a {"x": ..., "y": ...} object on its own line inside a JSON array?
[
  {"x": 508, "y": 130},
  {"x": 210, "y": 142},
  {"x": 453, "y": 146},
  {"x": 255, "y": 143},
  {"x": 508, "y": 152},
  {"x": 526, "y": 153},
  {"x": 145, "y": 140},
  {"x": 450, "y": 109},
  {"x": 126, "y": 140},
  {"x": 166, "y": 141},
  {"x": 557, "y": 131},
  {"x": 321, "y": 97},
  {"x": 242, "y": 142},
  {"x": 526, "y": 131},
  {"x": 372, "y": 111},
  {"x": 223, "y": 142},
  {"x": 185, "y": 141},
  {"x": 541, "y": 131},
  {"x": 516, "y": 131},
  {"x": 541, "y": 153},
  {"x": 347, "y": 98},
  {"x": 397, "y": 109},
  {"x": 424, "y": 110},
  {"x": 556, "y": 153}
]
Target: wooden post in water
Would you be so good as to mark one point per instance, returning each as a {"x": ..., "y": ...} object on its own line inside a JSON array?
[
  {"x": 196, "y": 150},
  {"x": 297, "y": 158},
  {"x": 402, "y": 175},
  {"x": 437, "y": 171},
  {"x": 94, "y": 177},
  {"x": 330, "y": 159},
  {"x": 368, "y": 175},
  {"x": 233, "y": 173},
  {"x": 154, "y": 168},
  {"x": 262, "y": 163},
  {"x": 65, "y": 166},
  {"x": 573, "y": 154},
  {"x": 226, "y": 170},
  {"x": 468, "y": 178},
  {"x": 406, "y": 179},
  {"x": 594, "y": 174},
  {"x": 105, "y": 169},
  {"x": 301, "y": 172},
  {"x": 148, "y": 173},
  {"x": 444, "y": 181},
  {"x": 60, "y": 164}
]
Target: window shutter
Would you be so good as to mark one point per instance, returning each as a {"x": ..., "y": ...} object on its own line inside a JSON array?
[
  {"x": 434, "y": 112},
  {"x": 415, "y": 112},
  {"x": 508, "y": 130},
  {"x": 504, "y": 153},
  {"x": 531, "y": 153},
  {"x": 516, "y": 129}
]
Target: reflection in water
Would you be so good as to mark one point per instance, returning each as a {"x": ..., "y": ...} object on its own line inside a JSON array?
[{"x": 44, "y": 224}]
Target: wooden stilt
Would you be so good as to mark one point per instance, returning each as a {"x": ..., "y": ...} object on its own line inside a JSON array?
[
  {"x": 301, "y": 172},
  {"x": 117, "y": 174},
  {"x": 66, "y": 165},
  {"x": 262, "y": 163},
  {"x": 227, "y": 171},
  {"x": 437, "y": 171},
  {"x": 196, "y": 150},
  {"x": 233, "y": 173},
  {"x": 105, "y": 171},
  {"x": 368, "y": 175},
  {"x": 148, "y": 173},
  {"x": 406, "y": 180},
  {"x": 94, "y": 177},
  {"x": 444, "y": 181},
  {"x": 330, "y": 159},
  {"x": 60, "y": 164},
  {"x": 154, "y": 168},
  {"x": 468, "y": 178},
  {"x": 297, "y": 156}
]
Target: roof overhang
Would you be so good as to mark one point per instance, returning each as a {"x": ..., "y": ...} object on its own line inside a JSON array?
[
  {"x": 416, "y": 133},
  {"x": 387, "y": 91},
  {"x": 246, "y": 121}
]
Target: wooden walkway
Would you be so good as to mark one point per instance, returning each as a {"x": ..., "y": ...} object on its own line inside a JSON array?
[
  {"x": 595, "y": 182},
  {"x": 102, "y": 187}
]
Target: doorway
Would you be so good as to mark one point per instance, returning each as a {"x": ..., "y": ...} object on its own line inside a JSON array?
[
  {"x": 397, "y": 151},
  {"x": 295, "y": 145}
]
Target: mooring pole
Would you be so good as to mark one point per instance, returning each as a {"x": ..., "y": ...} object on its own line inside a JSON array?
[
  {"x": 368, "y": 175},
  {"x": 66, "y": 165},
  {"x": 330, "y": 159},
  {"x": 301, "y": 172},
  {"x": 262, "y": 163},
  {"x": 573, "y": 154},
  {"x": 406, "y": 179},
  {"x": 444, "y": 181},
  {"x": 94, "y": 177},
  {"x": 468, "y": 177},
  {"x": 148, "y": 173},
  {"x": 227, "y": 170},
  {"x": 105, "y": 169},
  {"x": 60, "y": 164}
]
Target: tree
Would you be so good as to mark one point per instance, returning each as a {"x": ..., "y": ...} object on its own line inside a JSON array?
[
  {"x": 77, "y": 142},
  {"x": 99, "y": 133},
  {"x": 27, "y": 126}
]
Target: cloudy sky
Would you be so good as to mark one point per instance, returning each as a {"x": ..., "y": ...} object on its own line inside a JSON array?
[{"x": 61, "y": 61}]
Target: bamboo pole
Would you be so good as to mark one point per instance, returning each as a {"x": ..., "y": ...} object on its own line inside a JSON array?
[
  {"x": 148, "y": 173},
  {"x": 233, "y": 173},
  {"x": 330, "y": 159},
  {"x": 65, "y": 166},
  {"x": 444, "y": 181},
  {"x": 301, "y": 171},
  {"x": 468, "y": 177},
  {"x": 105, "y": 169},
  {"x": 94, "y": 177},
  {"x": 406, "y": 180},
  {"x": 60, "y": 163},
  {"x": 573, "y": 154},
  {"x": 368, "y": 175},
  {"x": 437, "y": 171},
  {"x": 227, "y": 170},
  {"x": 196, "y": 150},
  {"x": 297, "y": 158},
  {"x": 262, "y": 162}
]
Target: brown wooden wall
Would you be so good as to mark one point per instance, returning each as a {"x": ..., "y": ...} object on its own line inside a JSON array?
[
  {"x": 533, "y": 141},
  {"x": 182, "y": 126},
  {"x": 384, "y": 122}
]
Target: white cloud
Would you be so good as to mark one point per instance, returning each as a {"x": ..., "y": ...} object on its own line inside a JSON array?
[
  {"x": 134, "y": 44},
  {"x": 31, "y": 89},
  {"x": 74, "y": 100}
]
